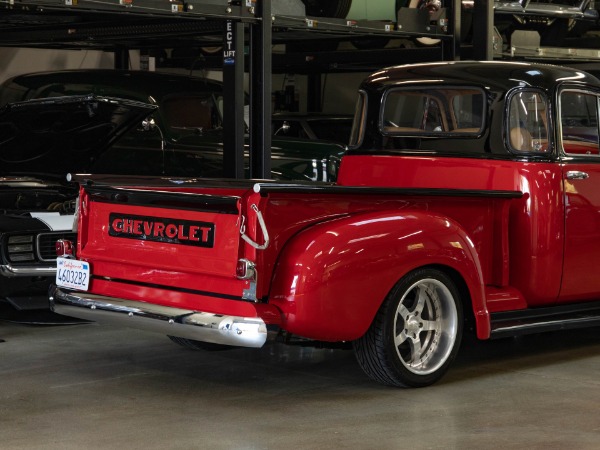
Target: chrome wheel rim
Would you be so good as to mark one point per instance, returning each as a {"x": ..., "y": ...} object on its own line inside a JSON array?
[{"x": 425, "y": 326}]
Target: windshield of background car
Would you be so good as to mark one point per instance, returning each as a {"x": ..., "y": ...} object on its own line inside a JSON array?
[
  {"x": 579, "y": 122},
  {"x": 528, "y": 122},
  {"x": 337, "y": 130},
  {"x": 183, "y": 111},
  {"x": 433, "y": 111}
]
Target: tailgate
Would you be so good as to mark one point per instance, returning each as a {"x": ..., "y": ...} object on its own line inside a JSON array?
[{"x": 159, "y": 237}]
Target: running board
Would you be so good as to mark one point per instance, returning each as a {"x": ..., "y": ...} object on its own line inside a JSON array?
[{"x": 539, "y": 320}]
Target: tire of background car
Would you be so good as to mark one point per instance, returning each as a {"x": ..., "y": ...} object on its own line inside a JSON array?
[
  {"x": 416, "y": 333},
  {"x": 329, "y": 8},
  {"x": 200, "y": 345}
]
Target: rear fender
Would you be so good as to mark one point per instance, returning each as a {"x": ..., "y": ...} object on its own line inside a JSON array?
[{"x": 331, "y": 278}]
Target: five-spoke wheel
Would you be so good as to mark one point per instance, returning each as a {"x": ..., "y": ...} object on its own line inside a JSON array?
[{"x": 416, "y": 333}]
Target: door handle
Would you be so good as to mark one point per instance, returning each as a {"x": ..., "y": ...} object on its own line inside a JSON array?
[{"x": 576, "y": 175}]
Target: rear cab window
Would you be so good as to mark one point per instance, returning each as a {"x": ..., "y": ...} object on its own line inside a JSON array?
[{"x": 448, "y": 111}]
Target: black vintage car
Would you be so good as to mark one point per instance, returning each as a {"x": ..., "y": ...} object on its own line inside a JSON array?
[
  {"x": 70, "y": 121},
  {"x": 40, "y": 142}
]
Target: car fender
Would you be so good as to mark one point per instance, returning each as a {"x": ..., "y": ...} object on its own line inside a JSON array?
[{"x": 331, "y": 278}]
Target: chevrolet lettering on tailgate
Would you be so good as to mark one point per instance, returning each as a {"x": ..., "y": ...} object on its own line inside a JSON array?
[{"x": 161, "y": 229}]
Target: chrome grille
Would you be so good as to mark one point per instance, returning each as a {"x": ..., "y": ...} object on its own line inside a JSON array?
[{"x": 46, "y": 244}]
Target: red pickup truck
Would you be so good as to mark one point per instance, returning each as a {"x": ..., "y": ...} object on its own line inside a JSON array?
[{"x": 469, "y": 198}]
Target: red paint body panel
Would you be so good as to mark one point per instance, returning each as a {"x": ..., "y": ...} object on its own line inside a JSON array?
[
  {"x": 170, "y": 297},
  {"x": 134, "y": 258},
  {"x": 332, "y": 278},
  {"x": 582, "y": 246},
  {"x": 535, "y": 225}
]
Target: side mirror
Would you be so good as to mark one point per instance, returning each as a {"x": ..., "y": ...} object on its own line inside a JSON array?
[{"x": 285, "y": 127}]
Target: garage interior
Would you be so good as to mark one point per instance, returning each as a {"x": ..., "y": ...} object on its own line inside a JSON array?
[{"x": 68, "y": 384}]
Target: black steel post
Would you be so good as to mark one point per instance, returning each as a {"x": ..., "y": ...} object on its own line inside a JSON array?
[
  {"x": 121, "y": 58},
  {"x": 451, "y": 47},
  {"x": 234, "y": 127},
  {"x": 483, "y": 30},
  {"x": 260, "y": 92},
  {"x": 314, "y": 100}
]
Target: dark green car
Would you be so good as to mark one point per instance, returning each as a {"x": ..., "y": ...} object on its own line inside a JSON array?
[{"x": 186, "y": 136}]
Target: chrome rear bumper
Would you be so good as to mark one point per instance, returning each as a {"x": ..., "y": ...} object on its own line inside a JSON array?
[{"x": 200, "y": 326}]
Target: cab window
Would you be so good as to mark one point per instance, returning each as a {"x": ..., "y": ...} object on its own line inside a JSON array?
[
  {"x": 438, "y": 110},
  {"x": 528, "y": 122},
  {"x": 579, "y": 122}
]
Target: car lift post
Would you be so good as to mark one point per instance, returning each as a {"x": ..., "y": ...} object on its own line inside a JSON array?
[
  {"x": 233, "y": 100},
  {"x": 260, "y": 92}
]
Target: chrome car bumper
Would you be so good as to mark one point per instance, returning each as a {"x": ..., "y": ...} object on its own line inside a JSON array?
[
  {"x": 201, "y": 326},
  {"x": 13, "y": 271}
]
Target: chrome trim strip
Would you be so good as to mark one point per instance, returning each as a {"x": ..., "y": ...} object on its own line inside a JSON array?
[
  {"x": 197, "y": 325},
  {"x": 8, "y": 270}
]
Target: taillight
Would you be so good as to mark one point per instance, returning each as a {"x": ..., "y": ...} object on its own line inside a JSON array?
[
  {"x": 64, "y": 248},
  {"x": 245, "y": 269}
]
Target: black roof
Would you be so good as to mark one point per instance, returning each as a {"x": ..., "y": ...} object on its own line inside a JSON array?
[
  {"x": 495, "y": 75},
  {"x": 130, "y": 84}
]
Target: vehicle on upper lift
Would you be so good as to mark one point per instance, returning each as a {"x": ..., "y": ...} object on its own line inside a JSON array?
[
  {"x": 181, "y": 138},
  {"x": 554, "y": 20},
  {"x": 468, "y": 200}
]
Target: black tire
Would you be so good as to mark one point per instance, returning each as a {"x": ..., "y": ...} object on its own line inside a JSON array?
[
  {"x": 416, "y": 333},
  {"x": 200, "y": 345},
  {"x": 330, "y": 8}
]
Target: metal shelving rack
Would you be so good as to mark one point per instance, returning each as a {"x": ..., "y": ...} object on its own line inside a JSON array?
[{"x": 118, "y": 25}]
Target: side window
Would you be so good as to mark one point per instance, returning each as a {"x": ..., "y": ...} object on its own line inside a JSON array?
[
  {"x": 528, "y": 122},
  {"x": 579, "y": 122}
]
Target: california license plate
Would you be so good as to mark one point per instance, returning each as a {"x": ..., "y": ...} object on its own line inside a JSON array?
[{"x": 72, "y": 274}]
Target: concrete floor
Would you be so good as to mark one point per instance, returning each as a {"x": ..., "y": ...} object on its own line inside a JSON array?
[{"x": 99, "y": 387}]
